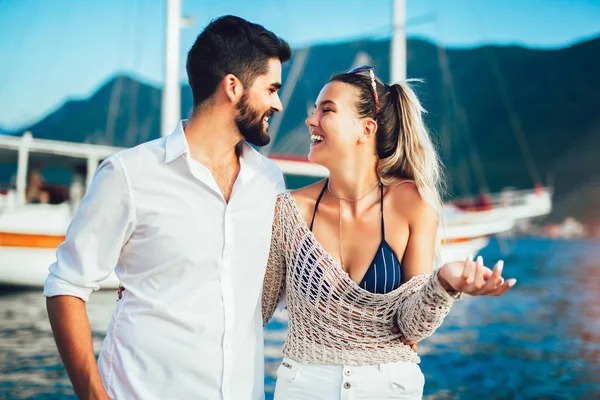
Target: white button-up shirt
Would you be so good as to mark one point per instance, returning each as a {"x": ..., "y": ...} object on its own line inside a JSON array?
[{"x": 189, "y": 324}]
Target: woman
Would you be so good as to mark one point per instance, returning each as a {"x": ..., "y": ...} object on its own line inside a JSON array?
[{"x": 355, "y": 252}]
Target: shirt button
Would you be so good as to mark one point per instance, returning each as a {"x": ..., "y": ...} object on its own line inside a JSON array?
[
  {"x": 347, "y": 372},
  {"x": 347, "y": 385}
]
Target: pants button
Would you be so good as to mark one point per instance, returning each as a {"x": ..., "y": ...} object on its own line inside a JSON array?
[{"x": 347, "y": 385}]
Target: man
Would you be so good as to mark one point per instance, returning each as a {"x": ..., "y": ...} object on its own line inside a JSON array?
[{"x": 186, "y": 220}]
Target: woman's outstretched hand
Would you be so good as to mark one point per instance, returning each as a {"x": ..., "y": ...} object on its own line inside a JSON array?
[
  {"x": 474, "y": 278},
  {"x": 471, "y": 277}
]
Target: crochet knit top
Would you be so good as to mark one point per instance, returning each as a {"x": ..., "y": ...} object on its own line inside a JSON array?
[{"x": 332, "y": 320}]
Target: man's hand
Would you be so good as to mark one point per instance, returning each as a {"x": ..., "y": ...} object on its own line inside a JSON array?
[
  {"x": 120, "y": 292},
  {"x": 413, "y": 345}
]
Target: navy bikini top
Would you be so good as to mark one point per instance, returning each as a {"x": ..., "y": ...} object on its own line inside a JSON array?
[{"x": 383, "y": 274}]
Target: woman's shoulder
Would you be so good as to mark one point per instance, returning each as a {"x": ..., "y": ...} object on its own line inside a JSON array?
[
  {"x": 406, "y": 199},
  {"x": 306, "y": 197}
]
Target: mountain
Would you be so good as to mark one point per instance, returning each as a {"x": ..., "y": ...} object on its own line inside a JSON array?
[
  {"x": 133, "y": 107},
  {"x": 502, "y": 116}
]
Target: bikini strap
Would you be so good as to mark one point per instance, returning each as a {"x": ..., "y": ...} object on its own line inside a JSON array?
[
  {"x": 317, "y": 203},
  {"x": 382, "y": 223}
]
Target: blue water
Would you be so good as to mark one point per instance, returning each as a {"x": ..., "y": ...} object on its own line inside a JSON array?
[{"x": 540, "y": 341}]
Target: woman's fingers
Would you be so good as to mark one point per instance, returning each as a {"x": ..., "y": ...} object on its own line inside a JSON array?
[
  {"x": 468, "y": 274},
  {"x": 497, "y": 274},
  {"x": 479, "y": 279},
  {"x": 503, "y": 288},
  {"x": 492, "y": 279}
]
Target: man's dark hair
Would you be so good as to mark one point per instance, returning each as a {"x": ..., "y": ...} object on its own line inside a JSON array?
[{"x": 231, "y": 45}]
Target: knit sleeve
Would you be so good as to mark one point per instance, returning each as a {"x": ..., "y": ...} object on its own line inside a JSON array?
[
  {"x": 424, "y": 308},
  {"x": 274, "y": 283}
]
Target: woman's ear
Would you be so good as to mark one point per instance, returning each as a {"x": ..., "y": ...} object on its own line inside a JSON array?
[{"x": 369, "y": 129}]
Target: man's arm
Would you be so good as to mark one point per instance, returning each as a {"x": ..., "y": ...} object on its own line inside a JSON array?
[
  {"x": 71, "y": 328},
  {"x": 91, "y": 250}
]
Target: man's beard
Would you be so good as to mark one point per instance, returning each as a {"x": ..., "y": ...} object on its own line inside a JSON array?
[{"x": 250, "y": 123}]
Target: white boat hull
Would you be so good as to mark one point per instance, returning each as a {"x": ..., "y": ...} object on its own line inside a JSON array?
[
  {"x": 461, "y": 250},
  {"x": 24, "y": 264},
  {"x": 29, "y": 267}
]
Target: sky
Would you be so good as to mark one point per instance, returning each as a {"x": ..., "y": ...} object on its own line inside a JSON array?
[{"x": 56, "y": 50}]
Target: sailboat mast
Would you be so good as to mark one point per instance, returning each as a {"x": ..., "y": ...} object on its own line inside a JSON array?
[
  {"x": 171, "y": 96},
  {"x": 398, "y": 44}
]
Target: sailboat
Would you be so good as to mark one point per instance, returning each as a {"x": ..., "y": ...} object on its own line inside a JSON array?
[{"x": 30, "y": 233}]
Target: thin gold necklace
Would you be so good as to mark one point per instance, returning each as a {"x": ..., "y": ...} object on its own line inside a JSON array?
[{"x": 353, "y": 199}]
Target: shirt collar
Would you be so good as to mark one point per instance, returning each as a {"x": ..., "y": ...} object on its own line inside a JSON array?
[
  {"x": 250, "y": 162},
  {"x": 176, "y": 143}
]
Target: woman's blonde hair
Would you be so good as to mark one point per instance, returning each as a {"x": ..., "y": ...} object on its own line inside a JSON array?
[{"x": 405, "y": 150}]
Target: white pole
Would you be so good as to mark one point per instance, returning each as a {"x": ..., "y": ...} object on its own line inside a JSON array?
[
  {"x": 398, "y": 44},
  {"x": 92, "y": 166},
  {"x": 286, "y": 94},
  {"x": 171, "y": 97},
  {"x": 22, "y": 165}
]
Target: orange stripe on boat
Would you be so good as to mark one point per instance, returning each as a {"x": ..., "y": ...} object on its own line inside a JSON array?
[
  {"x": 29, "y": 240},
  {"x": 52, "y": 241},
  {"x": 460, "y": 240}
]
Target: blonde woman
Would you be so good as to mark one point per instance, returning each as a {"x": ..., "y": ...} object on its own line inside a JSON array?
[{"x": 354, "y": 253}]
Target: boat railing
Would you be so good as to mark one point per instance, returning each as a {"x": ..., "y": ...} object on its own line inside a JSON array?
[{"x": 508, "y": 197}]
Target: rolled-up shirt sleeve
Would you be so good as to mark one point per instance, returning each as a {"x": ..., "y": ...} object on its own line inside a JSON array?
[{"x": 92, "y": 247}]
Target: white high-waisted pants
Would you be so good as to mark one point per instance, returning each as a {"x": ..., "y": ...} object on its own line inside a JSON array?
[{"x": 299, "y": 381}]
